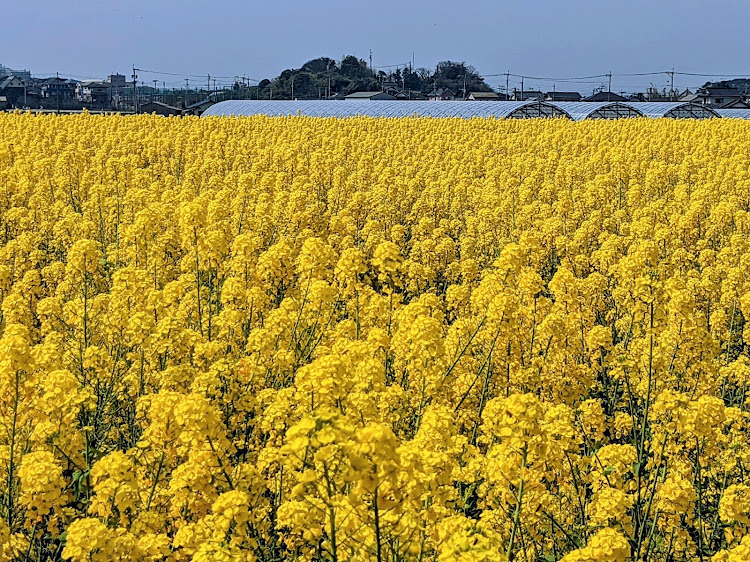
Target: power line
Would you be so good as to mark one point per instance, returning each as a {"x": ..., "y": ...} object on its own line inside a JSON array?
[
  {"x": 192, "y": 75},
  {"x": 614, "y": 75}
]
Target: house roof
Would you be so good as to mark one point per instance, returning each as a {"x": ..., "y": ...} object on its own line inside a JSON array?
[
  {"x": 442, "y": 92},
  {"x": 735, "y": 104},
  {"x": 56, "y": 80},
  {"x": 6, "y": 81},
  {"x": 528, "y": 95},
  {"x": 162, "y": 105},
  {"x": 605, "y": 96},
  {"x": 723, "y": 92},
  {"x": 564, "y": 96},
  {"x": 200, "y": 103},
  {"x": 484, "y": 95},
  {"x": 364, "y": 95}
]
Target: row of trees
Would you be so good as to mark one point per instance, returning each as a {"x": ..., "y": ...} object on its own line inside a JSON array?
[{"x": 324, "y": 77}]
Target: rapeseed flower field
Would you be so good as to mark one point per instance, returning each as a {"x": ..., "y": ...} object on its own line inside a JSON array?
[{"x": 374, "y": 339}]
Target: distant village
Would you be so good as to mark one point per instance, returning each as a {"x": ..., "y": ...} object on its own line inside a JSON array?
[{"x": 19, "y": 89}]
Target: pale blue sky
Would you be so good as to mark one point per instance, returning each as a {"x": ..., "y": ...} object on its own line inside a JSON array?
[{"x": 90, "y": 39}]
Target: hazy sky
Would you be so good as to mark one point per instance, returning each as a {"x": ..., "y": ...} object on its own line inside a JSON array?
[{"x": 546, "y": 38}]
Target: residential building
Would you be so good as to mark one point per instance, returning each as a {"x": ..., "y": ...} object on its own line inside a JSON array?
[
  {"x": 118, "y": 81},
  {"x": 718, "y": 95},
  {"x": 94, "y": 91},
  {"x": 13, "y": 89},
  {"x": 441, "y": 94},
  {"x": 58, "y": 88},
  {"x": 391, "y": 87},
  {"x": 687, "y": 96}
]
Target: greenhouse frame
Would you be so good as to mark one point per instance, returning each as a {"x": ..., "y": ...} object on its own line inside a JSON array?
[{"x": 598, "y": 110}]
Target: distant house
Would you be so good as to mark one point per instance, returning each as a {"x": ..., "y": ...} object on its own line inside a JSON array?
[
  {"x": 10, "y": 81},
  {"x": 369, "y": 96},
  {"x": 605, "y": 96},
  {"x": 118, "y": 80},
  {"x": 338, "y": 96},
  {"x": 160, "y": 108},
  {"x": 718, "y": 95},
  {"x": 687, "y": 96},
  {"x": 563, "y": 96},
  {"x": 117, "y": 87},
  {"x": 391, "y": 87},
  {"x": 103, "y": 92},
  {"x": 3, "y": 103},
  {"x": 12, "y": 88},
  {"x": 527, "y": 95},
  {"x": 94, "y": 91},
  {"x": 441, "y": 94},
  {"x": 199, "y": 107},
  {"x": 58, "y": 88},
  {"x": 483, "y": 96}
]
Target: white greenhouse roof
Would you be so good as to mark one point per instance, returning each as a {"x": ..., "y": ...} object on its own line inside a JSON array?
[
  {"x": 463, "y": 109},
  {"x": 349, "y": 108},
  {"x": 734, "y": 113}
]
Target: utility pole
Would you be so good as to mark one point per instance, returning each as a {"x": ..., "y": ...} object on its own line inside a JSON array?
[
  {"x": 135, "y": 92},
  {"x": 328, "y": 66},
  {"x": 370, "y": 59},
  {"x": 609, "y": 86},
  {"x": 671, "y": 84},
  {"x": 292, "y": 84},
  {"x": 522, "y": 99},
  {"x": 58, "y": 92},
  {"x": 208, "y": 86},
  {"x": 187, "y": 90},
  {"x": 507, "y": 85},
  {"x": 154, "y": 92}
]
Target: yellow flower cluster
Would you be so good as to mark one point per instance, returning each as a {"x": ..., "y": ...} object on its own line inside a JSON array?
[{"x": 374, "y": 340}]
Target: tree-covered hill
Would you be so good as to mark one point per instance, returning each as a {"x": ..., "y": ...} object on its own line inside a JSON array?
[{"x": 324, "y": 77}]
